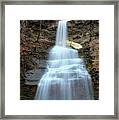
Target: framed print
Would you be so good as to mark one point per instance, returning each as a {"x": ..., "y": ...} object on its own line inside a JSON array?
[{"x": 59, "y": 59}]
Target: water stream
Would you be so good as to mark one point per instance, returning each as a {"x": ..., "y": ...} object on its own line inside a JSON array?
[{"x": 66, "y": 77}]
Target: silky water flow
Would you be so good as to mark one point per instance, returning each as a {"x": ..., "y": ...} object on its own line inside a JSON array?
[{"x": 66, "y": 77}]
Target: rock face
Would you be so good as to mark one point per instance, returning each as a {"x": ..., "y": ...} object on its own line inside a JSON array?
[{"x": 38, "y": 37}]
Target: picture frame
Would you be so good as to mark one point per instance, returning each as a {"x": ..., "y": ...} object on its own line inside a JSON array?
[{"x": 116, "y": 50}]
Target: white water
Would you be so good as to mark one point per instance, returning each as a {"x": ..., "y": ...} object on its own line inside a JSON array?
[{"x": 66, "y": 77}]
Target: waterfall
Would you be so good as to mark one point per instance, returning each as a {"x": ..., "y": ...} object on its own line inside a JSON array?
[{"x": 66, "y": 77}]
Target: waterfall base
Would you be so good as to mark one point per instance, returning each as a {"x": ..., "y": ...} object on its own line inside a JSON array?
[{"x": 68, "y": 90}]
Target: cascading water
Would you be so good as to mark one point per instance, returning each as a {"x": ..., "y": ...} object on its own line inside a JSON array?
[{"x": 66, "y": 77}]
